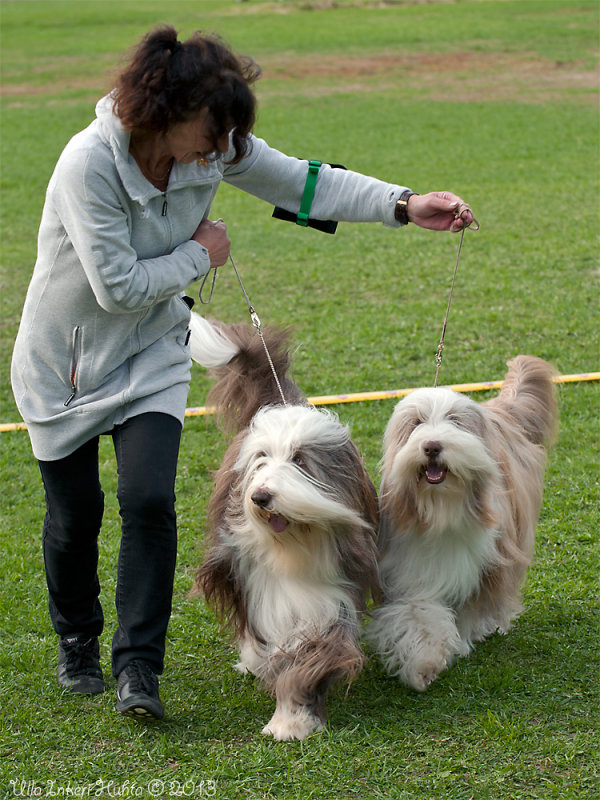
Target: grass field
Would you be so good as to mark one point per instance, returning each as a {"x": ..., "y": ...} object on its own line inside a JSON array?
[{"x": 494, "y": 99}]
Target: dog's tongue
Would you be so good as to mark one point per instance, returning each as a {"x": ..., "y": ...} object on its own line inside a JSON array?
[
  {"x": 435, "y": 473},
  {"x": 278, "y": 523}
]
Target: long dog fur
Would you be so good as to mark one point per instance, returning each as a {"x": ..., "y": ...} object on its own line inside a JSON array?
[
  {"x": 292, "y": 521},
  {"x": 460, "y": 497}
]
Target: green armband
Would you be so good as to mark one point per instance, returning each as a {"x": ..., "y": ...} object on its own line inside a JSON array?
[
  {"x": 303, "y": 217},
  {"x": 309, "y": 193}
]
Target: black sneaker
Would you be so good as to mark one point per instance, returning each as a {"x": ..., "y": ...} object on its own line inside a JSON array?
[
  {"x": 137, "y": 691},
  {"x": 79, "y": 665}
]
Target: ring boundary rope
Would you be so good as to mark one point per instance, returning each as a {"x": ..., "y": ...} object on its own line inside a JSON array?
[{"x": 357, "y": 397}]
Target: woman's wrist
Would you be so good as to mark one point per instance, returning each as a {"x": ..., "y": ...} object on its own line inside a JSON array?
[{"x": 401, "y": 209}]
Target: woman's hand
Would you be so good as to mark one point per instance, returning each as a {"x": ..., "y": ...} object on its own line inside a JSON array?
[
  {"x": 213, "y": 236},
  {"x": 438, "y": 211}
]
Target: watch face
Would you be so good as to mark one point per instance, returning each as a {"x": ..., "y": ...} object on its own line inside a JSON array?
[{"x": 401, "y": 212}]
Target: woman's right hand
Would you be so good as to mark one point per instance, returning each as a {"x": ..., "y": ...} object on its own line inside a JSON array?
[{"x": 213, "y": 236}]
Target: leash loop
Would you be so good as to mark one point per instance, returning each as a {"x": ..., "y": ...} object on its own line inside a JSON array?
[
  {"x": 212, "y": 287},
  {"x": 473, "y": 225}
]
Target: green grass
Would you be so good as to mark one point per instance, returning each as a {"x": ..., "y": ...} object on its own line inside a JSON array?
[{"x": 495, "y": 100}]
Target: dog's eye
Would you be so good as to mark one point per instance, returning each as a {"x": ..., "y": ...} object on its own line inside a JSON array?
[
  {"x": 456, "y": 420},
  {"x": 417, "y": 422},
  {"x": 298, "y": 460}
]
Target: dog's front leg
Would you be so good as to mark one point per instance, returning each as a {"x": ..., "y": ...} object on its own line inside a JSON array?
[
  {"x": 300, "y": 706},
  {"x": 416, "y": 640},
  {"x": 302, "y": 676},
  {"x": 292, "y": 721}
]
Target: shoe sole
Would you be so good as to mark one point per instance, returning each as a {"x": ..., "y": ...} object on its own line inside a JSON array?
[
  {"x": 138, "y": 711},
  {"x": 89, "y": 689}
]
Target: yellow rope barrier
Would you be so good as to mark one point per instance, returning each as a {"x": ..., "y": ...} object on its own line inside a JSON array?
[
  {"x": 357, "y": 397},
  {"x": 12, "y": 426},
  {"x": 457, "y": 387}
]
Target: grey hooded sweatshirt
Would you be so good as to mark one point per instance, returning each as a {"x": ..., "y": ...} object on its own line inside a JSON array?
[{"x": 103, "y": 335}]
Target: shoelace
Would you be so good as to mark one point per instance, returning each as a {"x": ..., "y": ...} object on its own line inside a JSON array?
[
  {"x": 80, "y": 657},
  {"x": 141, "y": 678}
]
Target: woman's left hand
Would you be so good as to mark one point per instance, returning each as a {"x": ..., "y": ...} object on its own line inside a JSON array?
[{"x": 437, "y": 211}]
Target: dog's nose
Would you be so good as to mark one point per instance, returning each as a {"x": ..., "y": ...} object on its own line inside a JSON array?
[
  {"x": 432, "y": 449},
  {"x": 262, "y": 498}
]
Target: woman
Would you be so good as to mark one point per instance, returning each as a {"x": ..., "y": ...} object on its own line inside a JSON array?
[{"x": 103, "y": 345}]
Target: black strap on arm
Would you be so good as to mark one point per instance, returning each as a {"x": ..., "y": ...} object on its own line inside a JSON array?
[{"x": 303, "y": 217}]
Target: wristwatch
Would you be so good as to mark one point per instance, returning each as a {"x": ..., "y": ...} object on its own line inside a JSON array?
[{"x": 401, "y": 210}]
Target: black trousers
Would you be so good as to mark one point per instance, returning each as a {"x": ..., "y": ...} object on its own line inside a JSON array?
[{"x": 146, "y": 448}]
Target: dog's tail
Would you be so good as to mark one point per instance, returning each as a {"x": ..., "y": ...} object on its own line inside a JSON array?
[
  {"x": 208, "y": 346},
  {"x": 529, "y": 396},
  {"x": 239, "y": 360}
]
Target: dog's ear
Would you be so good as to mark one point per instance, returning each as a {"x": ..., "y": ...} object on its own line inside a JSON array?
[
  {"x": 401, "y": 424},
  {"x": 217, "y": 580},
  {"x": 223, "y": 483},
  {"x": 360, "y": 551},
  {"x": 367, "y": 495}
]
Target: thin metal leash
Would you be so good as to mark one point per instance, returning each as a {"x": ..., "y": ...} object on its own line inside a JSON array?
[
  {"x": 475, "y": 227},
  {"x": 253, "y": 317},
  {"x": 256, "y": 322}
]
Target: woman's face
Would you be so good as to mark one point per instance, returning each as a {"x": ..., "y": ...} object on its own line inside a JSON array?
[{"x": 191, "y": 141}]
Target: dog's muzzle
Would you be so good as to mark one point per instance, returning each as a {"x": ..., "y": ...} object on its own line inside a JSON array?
[
  {"x": 263, "y": 498},
  {"x": 435, "y": 472}
]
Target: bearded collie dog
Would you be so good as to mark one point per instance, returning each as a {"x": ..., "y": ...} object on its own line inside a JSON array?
[
  {"x": 292, "y": 520},
  {"x": 460, "y": 496}
]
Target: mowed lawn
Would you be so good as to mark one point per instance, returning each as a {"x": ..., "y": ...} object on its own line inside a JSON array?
[{"x": 494, "y": 99}]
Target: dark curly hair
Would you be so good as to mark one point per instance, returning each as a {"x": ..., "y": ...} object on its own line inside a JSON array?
[{"x": 168, "y": 81}]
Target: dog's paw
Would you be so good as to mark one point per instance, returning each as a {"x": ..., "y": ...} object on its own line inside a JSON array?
[
  {"x": 285, "y": 726},
  {"x": 420, "y": 672},
  {"x": 241, "y": 668}
]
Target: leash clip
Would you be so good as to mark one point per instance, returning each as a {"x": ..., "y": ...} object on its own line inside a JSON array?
[{"x": 255, "y": 318}]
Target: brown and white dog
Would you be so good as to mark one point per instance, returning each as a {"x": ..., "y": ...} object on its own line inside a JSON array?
[
  {"x": 460, "y": 496},
  {"x": 292, "y": 519}
]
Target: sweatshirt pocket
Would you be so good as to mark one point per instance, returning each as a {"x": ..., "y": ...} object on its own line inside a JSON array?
[{"x": 75, "y": 362}]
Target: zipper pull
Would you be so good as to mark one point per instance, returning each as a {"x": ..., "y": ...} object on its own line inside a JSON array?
[
  {"x": 74, "y": 363},
  {"x": 164, "y": 208}
]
